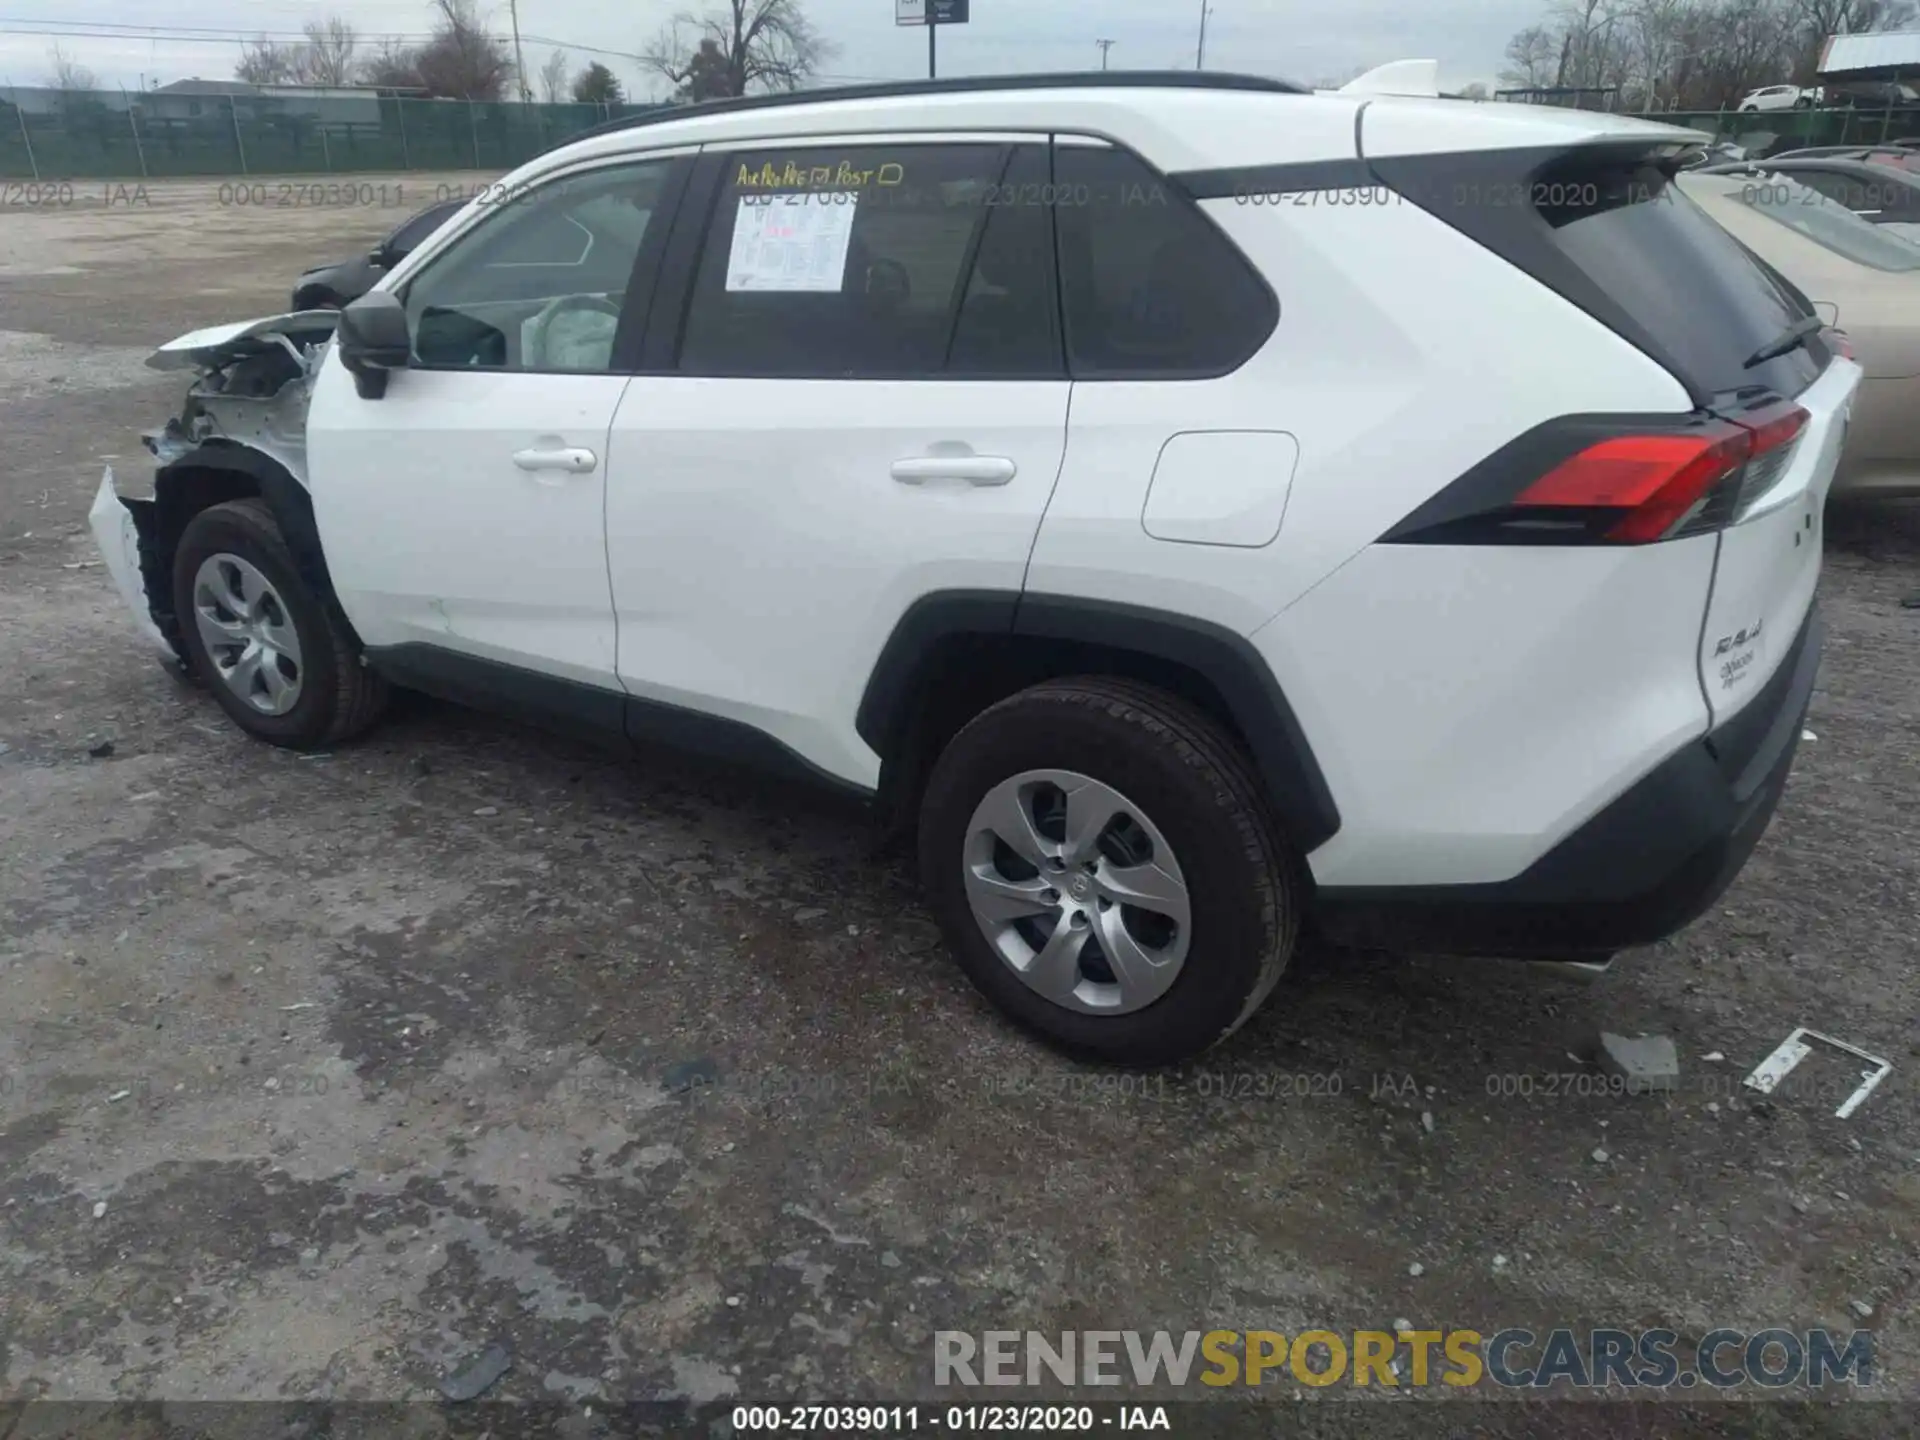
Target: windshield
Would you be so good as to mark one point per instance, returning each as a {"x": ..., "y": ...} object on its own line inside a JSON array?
[{"x": 1827, "y": 224}]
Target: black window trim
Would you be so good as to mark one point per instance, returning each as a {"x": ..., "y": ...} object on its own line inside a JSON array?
[
  {"x": 673, "y": 307},
  {"x": 645, "y": 273}
]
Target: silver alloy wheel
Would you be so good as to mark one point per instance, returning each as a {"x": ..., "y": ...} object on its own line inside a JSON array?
[
  {"x": 248, "y": 633},
  {"x": 1078, "y": 891}
]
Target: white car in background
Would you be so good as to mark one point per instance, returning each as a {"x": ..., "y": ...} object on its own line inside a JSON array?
[{"x": 1778, "y": 97}]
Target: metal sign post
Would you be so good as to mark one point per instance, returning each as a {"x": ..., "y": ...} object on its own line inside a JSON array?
[{"x": 932, "y": 14}]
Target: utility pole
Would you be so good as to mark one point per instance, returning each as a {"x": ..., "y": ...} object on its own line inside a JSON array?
[
  {"x": 519, "y": 57},
  {"x": 933, "y": 30},
  {"x": 1105, "y": 46},
  {"x": 1200, "y": 59}
]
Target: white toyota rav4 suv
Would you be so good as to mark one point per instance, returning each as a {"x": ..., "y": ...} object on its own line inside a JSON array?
[{"x": 1201, "y": 508}]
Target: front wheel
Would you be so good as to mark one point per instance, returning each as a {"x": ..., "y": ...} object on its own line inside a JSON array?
[
  {"x": 279, "y": 664},
  {"x": 1105, "y": 868}
]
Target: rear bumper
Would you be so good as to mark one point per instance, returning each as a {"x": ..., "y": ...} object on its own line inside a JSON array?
[{"x": 1649, "y": 863}]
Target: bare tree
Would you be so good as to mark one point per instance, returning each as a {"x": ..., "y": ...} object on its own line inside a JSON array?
[
  {"x": 742, "y": 45},
  {"x": 462, "y": 60},
  {"x": 66, "y": 73},
  {"x": 1686, "y": 54},
  {"x": 327, "y": 56},
  {"x": 1475, "y": 90},
  {"x": 553, "y": 78},
  {"x": 390, "y": 65},
  {"x": 1530, "y": 58},
  {"x": 265, "y": 62}
]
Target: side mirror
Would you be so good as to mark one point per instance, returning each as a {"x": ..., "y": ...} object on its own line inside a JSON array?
[{"x": 373, "y": 340}]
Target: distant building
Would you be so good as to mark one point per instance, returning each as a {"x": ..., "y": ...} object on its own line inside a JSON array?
[{"x": 195, "y": 99}]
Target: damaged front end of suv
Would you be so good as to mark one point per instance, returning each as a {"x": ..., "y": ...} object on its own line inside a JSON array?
[{"x": 241, "y": 432}]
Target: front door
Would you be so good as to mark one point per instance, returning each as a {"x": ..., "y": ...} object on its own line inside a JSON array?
[{"x": 465, "y": 509}]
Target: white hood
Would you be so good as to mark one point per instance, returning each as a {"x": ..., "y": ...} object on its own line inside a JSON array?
[{"x": 219, "y": 345}]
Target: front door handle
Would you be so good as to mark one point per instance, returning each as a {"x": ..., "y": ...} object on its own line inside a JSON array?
[
  {"x": 974, "y": 469},
  {"x": 572, "y": 460}
]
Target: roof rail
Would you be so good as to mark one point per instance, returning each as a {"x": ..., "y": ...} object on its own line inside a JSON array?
[{"x": 959, "y": 85}]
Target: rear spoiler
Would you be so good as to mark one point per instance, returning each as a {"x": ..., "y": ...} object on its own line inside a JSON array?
[{"x": 1398, "y": 77}]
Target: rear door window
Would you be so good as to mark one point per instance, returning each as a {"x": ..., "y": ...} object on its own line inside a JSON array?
[{"x": 877, "y": 262}]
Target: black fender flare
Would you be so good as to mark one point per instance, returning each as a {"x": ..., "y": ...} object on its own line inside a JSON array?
[
  {"x": 286, "y": 497},
  {"x": 1228, "y": 662}
]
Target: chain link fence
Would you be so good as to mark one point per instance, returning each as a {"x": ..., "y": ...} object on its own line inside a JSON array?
[
  {"x": 59, "y": 135},
  {"x": 1766, "y": 131},
  {"x": 62, "y": 135}
]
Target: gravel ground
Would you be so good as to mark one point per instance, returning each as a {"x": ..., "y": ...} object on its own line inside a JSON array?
[{"x": 318, "y": 1075}]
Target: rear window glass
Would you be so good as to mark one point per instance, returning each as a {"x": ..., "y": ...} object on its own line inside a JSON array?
[
  {"x": 1828, "y": 224},
  {"x": 1694, "y": 289}
]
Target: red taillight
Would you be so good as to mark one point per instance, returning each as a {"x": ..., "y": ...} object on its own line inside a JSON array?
[{"x": 1662, "y": 481}]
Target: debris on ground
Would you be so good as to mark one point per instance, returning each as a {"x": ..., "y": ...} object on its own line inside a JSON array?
[
  {"x": 488, "y": 810},
  {"x": 102, "y": 750},
  {"x": 1416, "y": 1269},
  {"x": 1600, "y": 1157},
  {"x": 1862, "y": 1309},
  {"x": 1797, "y": 1046},
  {"x": 1646, "y": 1062},
  {"x": 1714, "y": 1056},
  {"x": 473, "y": 1378},
  {"x": 99, "y": 1208},
  {"x": 1808, "y": 735}
]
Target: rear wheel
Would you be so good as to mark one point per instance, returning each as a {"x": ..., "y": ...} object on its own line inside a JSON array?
[
  {"x": 1106, "y": 871},
  {"x": 279, "y": 664}
]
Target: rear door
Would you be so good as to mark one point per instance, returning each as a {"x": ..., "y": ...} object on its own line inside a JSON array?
[{"x": 855, "y": 397}]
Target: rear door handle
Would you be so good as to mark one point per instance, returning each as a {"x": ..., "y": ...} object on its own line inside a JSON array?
[
  {"x": 571, "y": 461},
  {"x": 974, "y": 469}
]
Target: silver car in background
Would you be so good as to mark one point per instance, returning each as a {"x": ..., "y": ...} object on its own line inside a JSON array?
[{"x": 1866, "y": 282}]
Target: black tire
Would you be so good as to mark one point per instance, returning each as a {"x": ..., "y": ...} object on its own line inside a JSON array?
[
  {"x": 1195, "y": 783},
  {"x": 339, "y": 696}
]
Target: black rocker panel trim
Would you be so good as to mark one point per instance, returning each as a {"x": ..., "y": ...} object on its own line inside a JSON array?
[{"x": 593, "y": 713}]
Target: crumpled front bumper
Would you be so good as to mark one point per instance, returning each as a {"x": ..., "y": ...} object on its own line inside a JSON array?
[{"x": 117, "y": 534}]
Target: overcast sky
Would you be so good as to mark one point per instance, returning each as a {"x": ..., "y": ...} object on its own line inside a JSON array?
[{"x": 1304, "y": 40}]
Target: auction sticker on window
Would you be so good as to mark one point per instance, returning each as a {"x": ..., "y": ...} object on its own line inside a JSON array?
[
  {"x": 1739, "y": 657},
  {"x": 792, "y": 242}
]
